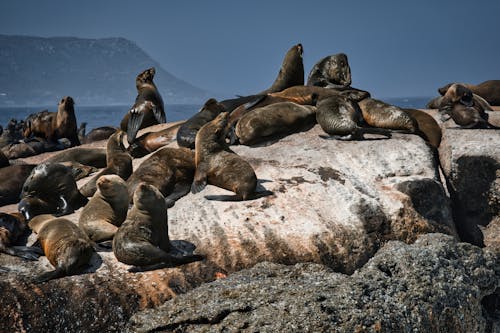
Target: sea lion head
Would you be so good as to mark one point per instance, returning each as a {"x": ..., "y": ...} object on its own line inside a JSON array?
[
  {"x": 112, "y": 185},
  {"x": 67, "y": 102},
  {"x": 458, "y": 93},
  {"x": 338, "y": 69},
  {"x": 148, "y": 198},
  {"x": 146, "y": 76}
]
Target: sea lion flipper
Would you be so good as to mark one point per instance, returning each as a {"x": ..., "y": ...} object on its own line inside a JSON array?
[
  {"x": 25, "y": 252},
  {"x": 159, "y": 114},
  {"x": 200, "y": 180},
  {"x": 47, "y": 276},
  {"x": 134, "y": 124}
]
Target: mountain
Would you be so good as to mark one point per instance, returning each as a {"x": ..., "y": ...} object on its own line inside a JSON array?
[{"x": 39, "y": 71}]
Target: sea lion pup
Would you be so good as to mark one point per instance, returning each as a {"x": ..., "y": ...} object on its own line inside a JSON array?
[
  {"x": 98, "y": 134},
  {"x": 12, "y": 226},
  {"x": 170, "y": 170},
  {"x": 106, "y": 210},
  {"x": 187, "y": 132},
  {"x": 272, "y": 120},
  {"x": 54, "y": 125},
  {"x": 95, "y": 157},
  {"x": 118, "y": 162},
  {"x": 50, "y": 189},
  {"x": 218, "y": 165},
  {"x": 489, "y": 90},
  {"x": 64, "y": 244},
  {"x": 427, "y": 125},
  {"x": 340, "y": 116},
  {"x": 142, "y": 240},
  {"x": 291, "y": 72},
  {"x": 331, "y": 72},
  {"x": 148, "y": 108}
]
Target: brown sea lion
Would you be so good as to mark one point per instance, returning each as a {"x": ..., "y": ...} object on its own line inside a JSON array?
[
  {"x": 218, "y": 165},
  {"x": 379, "y": 114},
  {"x": 95, "y": 157},
  {"x": 12, "y": 179},
  {"x": 276, "y": 119},
  {"x": 439, "y": 101},
  {"x": 106, "y": 210},
  {"x": 54, "y": 125},
  {"x": 427, "y": 125},
  {"x": 142, "y": 240},
  {"x": 64, "y": 244},
  {"x": 331, "y": 72},
  {"x": 12, "y": 226},
  {"x": 489, "y": 90},
  {"x": 50, "y": 189},
  {"x": 340, "y": 116},
  {"x": 304, "y": 94},
  {"x": 34, "y": 146},
  {"x": 151, "y": 141},
  {"x": 98, "y": 134},
  {"x": 170, "y": 170},
  {"x": 118, "y": 162},
  {"x": 148, "y": 108},
  {"x": 291, "y": 72},
  {"x": 12, "y": 133}
]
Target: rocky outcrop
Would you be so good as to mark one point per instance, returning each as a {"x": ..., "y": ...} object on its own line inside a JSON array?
[{"x": 434, "y": 285}]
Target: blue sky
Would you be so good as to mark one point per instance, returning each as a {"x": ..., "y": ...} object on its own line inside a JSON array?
[{"x": 395, "y": 48}]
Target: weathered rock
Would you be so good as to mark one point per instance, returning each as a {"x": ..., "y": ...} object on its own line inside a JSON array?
[{"x": 434, "y": 285}]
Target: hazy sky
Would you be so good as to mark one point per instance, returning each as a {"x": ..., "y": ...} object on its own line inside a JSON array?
[{"x": 395, "y": 48}]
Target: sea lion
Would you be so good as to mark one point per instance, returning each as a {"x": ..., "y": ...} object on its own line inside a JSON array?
[
  {"x": 382, "y": 115},
  {"x": 118, "y": 162},
  {"x": 106, "y": 210},
  {"x": 437, "y": 102},
  {"x": 489, "y": 90},
  {"x": 4, "y": 161},
  {"x": 98, "y": 134},
  {"x": 186, "y": 134},
  {"x": 151, "y": 141},
  {"x": 12, "y": 133},
  {"x": 218, "y": 165},
  {"x": 12, "y": 179},
  {"x": 170, "y": 170},
  {"x": 95, "y": 157},
  {"x": 304, "y": 94},
  {"x": 427, "y": 125},
  {"x": 142, "y": 240},
  {"x": 148, "y": 108},
  {"x": 272, "y": 120},
  {"x": 50, "y": 189},
  {"x": 12, "y": 226},
  {"x": 291, "y": 72},
  {"x": 54, "y": 125},
  {"x": 340, "y": 116},
  {"x": 64, "y": 244},
  {"x": 331, "y": 72}
]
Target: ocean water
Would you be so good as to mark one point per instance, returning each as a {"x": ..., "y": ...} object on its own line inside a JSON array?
[{"x": 97, "y": 116}]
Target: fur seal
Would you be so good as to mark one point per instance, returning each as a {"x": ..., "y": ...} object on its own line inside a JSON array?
[
  {"x": 12, "y": 133},
  {"x": 187, "y": 132},
  {"x": 151, "y": 141},
  {"x": 64, "y": 244},
  {"x": 339, "y": 116},
  {"x": 427, "y": 125},
  {"x": 382, "y": 115},
  {"x": 50, "y": 189},
  {"x": 170, "y": 170},
  {"x": 331, "y": 72},
  {"x": 276, "y": 119},
  {"x": 34, "y": 146},
  {"x": 106, "y": 210},
  {"x": 54, "y": 125},
  {"x": 98, "y": 134},
  {"x": 304, "y": 94},
  {"x": 218, "y": 165},
  {"x": 291, "y": 72},
  {"x": 142, "y": 240},
  {"x": 95, "y": 157},
  {"x": 148, "y": 108},
  {"x": 12, "y": 226},
  {"x": 489, "y": 90},
  {"x": 118, "y": 162}
]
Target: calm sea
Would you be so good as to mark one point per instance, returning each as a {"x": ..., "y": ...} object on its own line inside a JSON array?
[{"x": 97, "y": 116}]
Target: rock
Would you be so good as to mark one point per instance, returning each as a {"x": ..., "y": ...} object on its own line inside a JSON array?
[{"x": 434, "y": 285}]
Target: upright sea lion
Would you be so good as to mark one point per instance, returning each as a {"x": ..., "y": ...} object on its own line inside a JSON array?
[
  {"x": 118, "y": 162},
  {"x": 151, "y": 141},
  {"x": 272, "y": 120},
  {"x": 170, "y": 170},
  {"x": 291, "y": 72},
  {"x": 50, "y": 189},
  {"x": 148, "y": 108},
  {"x": 218, "y": 165},
  {"x": 331, "y": 72},
  {"x": 64, "y": 244},
  {"x": 187, "y": 132},
  {"x": 340, "y": 116},
  {"x": 489, "y": 90},
  {"x": 12, "y": 226},
  {"x": 54, "y": 125},
  {"x": 95, "y": 157},
  {"x": 142, "y": 240},
  {"x": 106, "y": 210}
]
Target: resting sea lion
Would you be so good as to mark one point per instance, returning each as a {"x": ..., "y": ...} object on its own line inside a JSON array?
[
  {"x": 331, "y": 72},
  {"x": 170, "y": 170},
  {"x": 304, "y": 94},
  {"x": 12, "y": 133},
  {"x": 95, "y": 157},
  {"x": 382, "y": 115},
  {"x": 339, "y": 116},
  {"x": 489, "y": 90},
  {"x": 291, "y": 72},
  {"x": 276, "y": 119},
  {"x": 118, "y": 162},
  {"x": 151, "y": 141},
  {"x": 106, "y": 210},
  {"x": 50, "y": 189},
  {"x": 12, "y": 179},
  {"x": 218, "y": 165},
  {"x": 54, "y": 125},
  {"x": 12, "y": 227},
  {"x": 65, "y": 245},
  {"x": 34, "y": 146},
  {"x": 142, "y": 240},
  {"x": 148, "y": 108},
  {"x": 427, "y": 125},
  {"x": 98, "y": 134}
]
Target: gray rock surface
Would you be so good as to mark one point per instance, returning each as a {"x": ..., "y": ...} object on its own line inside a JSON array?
[{"x": 434, "y": 285}]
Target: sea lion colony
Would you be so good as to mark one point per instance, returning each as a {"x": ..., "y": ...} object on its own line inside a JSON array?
[{"x": 140, "y": 234}]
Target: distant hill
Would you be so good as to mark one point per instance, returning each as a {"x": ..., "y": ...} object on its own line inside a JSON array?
[{"x": 39, "y": 71}]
